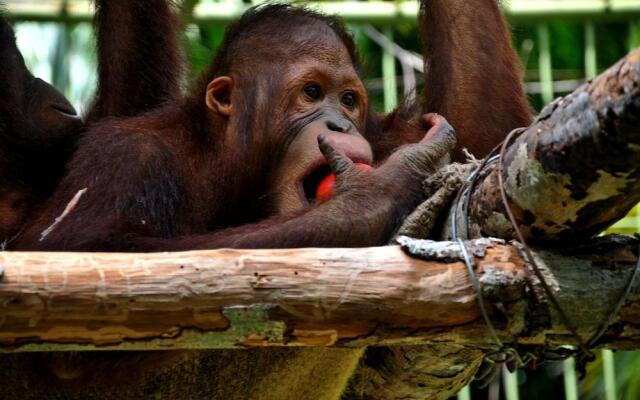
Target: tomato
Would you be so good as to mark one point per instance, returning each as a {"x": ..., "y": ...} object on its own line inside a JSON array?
[{"x": 325, "y": 188}]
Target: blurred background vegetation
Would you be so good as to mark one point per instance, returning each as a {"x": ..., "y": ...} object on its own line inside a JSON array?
[{"x": 561, "y": 44}]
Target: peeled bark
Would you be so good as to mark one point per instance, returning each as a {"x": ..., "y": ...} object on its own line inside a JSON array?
[
  {"x": 305, "y": 297},
  {"x": 350, "y": 298}
]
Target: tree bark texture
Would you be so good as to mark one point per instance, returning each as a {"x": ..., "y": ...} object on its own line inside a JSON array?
[
  {"x": 576, "y": 169},
  {"x": 307, "y": 297}
]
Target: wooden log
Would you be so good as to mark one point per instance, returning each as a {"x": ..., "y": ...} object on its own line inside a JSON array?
[
  {"x": 576, "y": 169},
  {"x": 305, "y": 297},
  {"x": 571, "y": 174}
]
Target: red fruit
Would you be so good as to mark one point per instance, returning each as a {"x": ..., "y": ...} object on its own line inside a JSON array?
[{"x": 325, "y": 188}]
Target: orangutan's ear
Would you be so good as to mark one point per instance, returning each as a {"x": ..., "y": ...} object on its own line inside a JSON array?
[{"x": 218, "y": 98}]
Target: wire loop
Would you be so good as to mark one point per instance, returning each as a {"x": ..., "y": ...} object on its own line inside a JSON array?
[{"x": 508, "y": 354}]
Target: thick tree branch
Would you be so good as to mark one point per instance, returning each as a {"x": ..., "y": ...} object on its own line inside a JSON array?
[
  {"x": 572, "y": 173},
  {"x": 576, "y": 169},
  {"x": 341, "y": 297}
]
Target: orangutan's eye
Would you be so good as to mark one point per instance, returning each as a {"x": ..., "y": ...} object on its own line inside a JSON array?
[
  {"x": 313, "y": 91},
  {"x": 349, "y": 99}
]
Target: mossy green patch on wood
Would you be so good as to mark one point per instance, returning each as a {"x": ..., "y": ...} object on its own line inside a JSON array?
[{"x": 548, "y": 195}]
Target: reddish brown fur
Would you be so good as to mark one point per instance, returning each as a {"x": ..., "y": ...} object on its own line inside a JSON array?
[
  {"x": 139, "y": 60},
  {"x": 134, "y": 76},
  {"x": 473, "y": 76},
  {"x": 171, "y": 175},
  {"x": 166, "y": 179},
  {"x": 37, "y": 129}
]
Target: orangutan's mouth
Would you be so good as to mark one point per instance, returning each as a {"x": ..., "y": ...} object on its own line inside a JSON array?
[{"x": 311, "y": 182}]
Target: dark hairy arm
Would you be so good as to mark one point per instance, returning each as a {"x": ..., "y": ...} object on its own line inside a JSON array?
[
  {"x": 139, "y": 59},
  {"x": 138, "y": 215},
  {"x": 473, "y": 76},
  {"x": 367, "y": 208}
]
